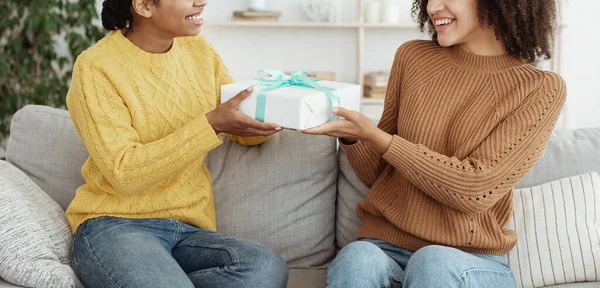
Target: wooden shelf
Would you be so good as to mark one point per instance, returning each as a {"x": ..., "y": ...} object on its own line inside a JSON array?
[
  {"x": 284, "y": 24},
  {"x": 390, "y": 25},
  {"x": 377, "y": 101},
  {"x": 279, "y": 24}
]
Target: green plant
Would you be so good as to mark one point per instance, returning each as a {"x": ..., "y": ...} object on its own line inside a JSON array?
[{"x": 31, "y": 70}]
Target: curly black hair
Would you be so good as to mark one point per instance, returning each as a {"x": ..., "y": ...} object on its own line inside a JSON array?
[
  {"x": 116, "y": 14},
  {"x": 526, "y": 26}
]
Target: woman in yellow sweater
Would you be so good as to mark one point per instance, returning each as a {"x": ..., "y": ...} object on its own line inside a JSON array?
[
  {"x": 145, "y": 101},
  {"x": 465, "y": 117}
]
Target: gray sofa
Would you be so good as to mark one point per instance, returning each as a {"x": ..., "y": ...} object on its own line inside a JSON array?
[{"x": 295, "y": 193}]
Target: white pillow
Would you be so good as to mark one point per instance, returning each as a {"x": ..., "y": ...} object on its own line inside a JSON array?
[
  {"x": 559, "y": 237},
  {"x": 35, "y": 239}
]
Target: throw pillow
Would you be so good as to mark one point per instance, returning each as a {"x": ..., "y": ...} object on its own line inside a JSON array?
[
  {"x": 35, "y": 238},
  {"x": 559, "y": 236}
]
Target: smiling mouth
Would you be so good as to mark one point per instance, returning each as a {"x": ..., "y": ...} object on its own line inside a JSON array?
[
  {"x": 443, "y": 22},
  {"x": 194, "y": 18}
]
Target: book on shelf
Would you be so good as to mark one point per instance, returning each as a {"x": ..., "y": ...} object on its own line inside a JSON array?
[
  {"x": 266, "y": 19},
  {"x": 376, "y": 89},
  {"x": 256, "y": 15},
  {"x": 376, "y": 79},
  {"x": 374, "y": 92}
]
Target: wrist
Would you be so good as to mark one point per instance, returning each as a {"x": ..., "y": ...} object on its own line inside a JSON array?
[
  {"x": 210, "y": 117},
  {"x": 380, "y": 140}
]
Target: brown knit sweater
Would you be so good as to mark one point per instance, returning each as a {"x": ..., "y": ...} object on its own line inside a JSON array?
[{"x": 466, "y": 129}]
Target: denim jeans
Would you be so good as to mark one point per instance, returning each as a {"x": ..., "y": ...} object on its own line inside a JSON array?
[
  {"x": 119, "y": 252},
  {"x": 376, "y": 263}
]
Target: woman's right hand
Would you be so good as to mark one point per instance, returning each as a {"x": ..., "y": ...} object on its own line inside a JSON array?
[{"x": 227, "y": 118}]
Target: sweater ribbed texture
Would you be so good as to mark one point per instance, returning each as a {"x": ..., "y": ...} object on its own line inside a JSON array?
[
  {"x": 466, "y": 129},
  {"x": 142, "y": 118}
]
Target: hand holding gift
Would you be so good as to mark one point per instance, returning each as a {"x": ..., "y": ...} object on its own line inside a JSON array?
[
  {"x": 353, "y": 126},
  {"x": 227, "y": 118},
  {"x": 294, "y": 101}
]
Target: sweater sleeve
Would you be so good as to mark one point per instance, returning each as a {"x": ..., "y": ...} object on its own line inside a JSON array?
[
  {"x": 365, "y": 160},
  {"x": 104, "y": 123},
  {"x": 476, "y": 183},
  {"x": 223, "y": 78}
]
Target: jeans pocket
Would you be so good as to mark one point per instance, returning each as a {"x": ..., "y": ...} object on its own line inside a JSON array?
[{"x": 487, "y": 278}]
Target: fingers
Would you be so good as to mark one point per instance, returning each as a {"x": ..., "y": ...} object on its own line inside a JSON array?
[
  {"x": 336, "y": 134},
  {"x": 258, "y": 132},
  {"x": 339, "y": 111},
  {"x": 237, "y": 99},
  {"x": 325, "y": 129},
  {"x": 260, "y": 125},
  {"x": 252, "y": 132}
]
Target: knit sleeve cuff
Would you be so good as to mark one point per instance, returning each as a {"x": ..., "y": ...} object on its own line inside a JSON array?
[
  {"x": 206, "y": 138},
  {"x": 360, "y": 151},
  {"x": 401, "y": 153}
]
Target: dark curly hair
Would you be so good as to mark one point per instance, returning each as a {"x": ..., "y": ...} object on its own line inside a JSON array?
[
  {"x": 116, "y": 14},
  {"x": 526, "y": 26}
]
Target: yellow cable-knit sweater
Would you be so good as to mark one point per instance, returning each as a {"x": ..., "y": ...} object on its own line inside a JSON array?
[{"x": 142, "y": 119}]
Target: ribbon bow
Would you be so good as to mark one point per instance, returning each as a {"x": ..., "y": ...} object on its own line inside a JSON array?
[{"x": 280, "y": 80}]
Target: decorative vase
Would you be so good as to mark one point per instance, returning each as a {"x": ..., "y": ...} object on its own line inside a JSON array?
[
  {"x": 390, "y": 14},
  {"x": 373, "y": 12},
  {"x": 322, "y": 10},
  {"x": 257, "y": 5}
]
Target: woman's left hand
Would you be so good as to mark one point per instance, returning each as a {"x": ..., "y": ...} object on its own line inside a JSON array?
[{"x": 353, "y": 127}]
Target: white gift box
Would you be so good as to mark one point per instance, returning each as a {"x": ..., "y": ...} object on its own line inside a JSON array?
[{"x": 294, "y": 107}]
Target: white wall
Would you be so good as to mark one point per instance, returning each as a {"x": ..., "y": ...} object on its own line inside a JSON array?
[
  {"x": 580, "y": 63},
  {"x": 245, "y": 50}
]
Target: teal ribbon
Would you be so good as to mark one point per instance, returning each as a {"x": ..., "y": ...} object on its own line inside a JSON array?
[{"x": 280, "y": 80}]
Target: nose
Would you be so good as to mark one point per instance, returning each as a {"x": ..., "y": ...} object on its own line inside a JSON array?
[
  {"x": 199, "y": 3},
  {"x": 434, "y": 6}
]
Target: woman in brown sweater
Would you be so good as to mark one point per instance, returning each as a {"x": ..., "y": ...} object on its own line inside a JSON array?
[{"x": 465, "y": 117}]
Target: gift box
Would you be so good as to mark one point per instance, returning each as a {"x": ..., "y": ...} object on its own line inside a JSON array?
[{"x": 293, "y": 101}]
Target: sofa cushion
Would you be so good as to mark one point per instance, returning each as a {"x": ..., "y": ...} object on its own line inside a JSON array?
[
  {"x": 306, "y": 278},
  {"x": 35, "y": 238},
  {"x": 350, "y": 192},
  {"x": 44, "y": 144},
  {"x": 569, "y": 153},
  {"x": 559, "y": 237},
  {"x": 281, "y": 193}
]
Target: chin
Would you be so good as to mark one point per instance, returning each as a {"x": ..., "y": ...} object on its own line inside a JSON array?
[
  {"x": 445, "y": 42},
  {"x": 194, "y": 32}
]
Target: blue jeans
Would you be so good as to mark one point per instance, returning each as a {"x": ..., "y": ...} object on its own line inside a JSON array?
[
  {"x": 376, "y": 263},
  {"x": 119, "y": 252}
]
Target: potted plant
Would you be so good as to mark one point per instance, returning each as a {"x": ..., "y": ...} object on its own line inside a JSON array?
[{"x": 32, "y": 71}]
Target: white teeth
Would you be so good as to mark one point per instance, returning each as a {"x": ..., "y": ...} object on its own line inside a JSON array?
[
  {"x": 197, "y": 17},
  {"x": 442, "y": 22}
]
